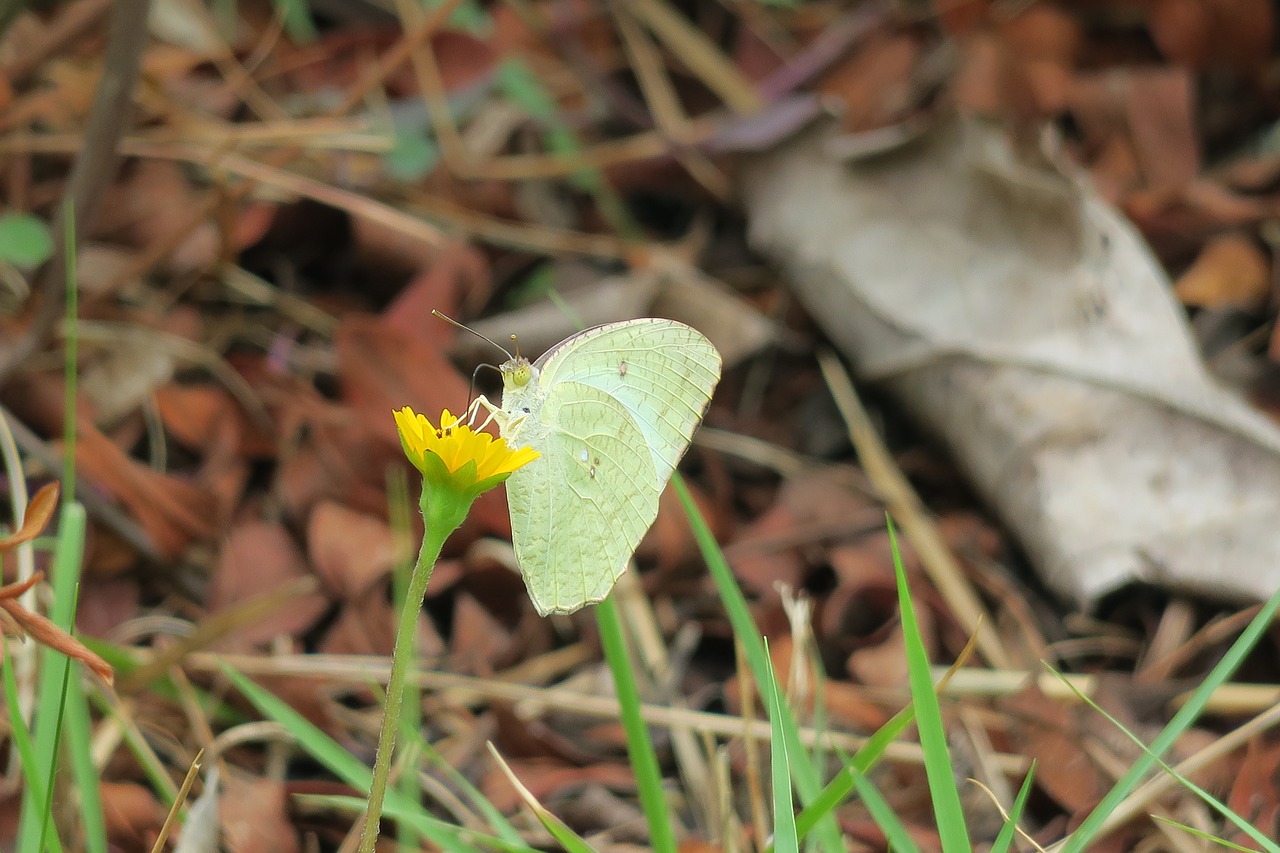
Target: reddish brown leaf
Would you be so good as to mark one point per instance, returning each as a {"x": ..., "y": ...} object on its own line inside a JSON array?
[
  {"x": 36, "y": 519},
  {"x": 257, "y": 558},
  {"x": 173, "y": 513},
  {"x": 46, "y": 633},
  {"x": 133, "y": 815},
  {"x": 253, "y": 816},
  {"x": 351, "y": 551}
]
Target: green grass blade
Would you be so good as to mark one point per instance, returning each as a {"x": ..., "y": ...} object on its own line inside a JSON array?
[
  {"x": 1220, "y": 807},
  {"x": 53, "y": 677},
  {"x": 644, "y": 761},
  {"x": 839, "y": 788},
  {"x": 1004, "y": 840},
  {"x": 79, "y": 729},
  {"x": 342, "y": 763},
  {"x": 882, "y": 813},
  {"x": 952, "y": 829},
  {"x": 785, "y": 839},
  {"x": 1200, "y": 833},
  {"x": 1182, "y": 720},
  {"x": 31, "y": 774},
  {"x": 421, "y": 821},
  {"x": 804, "y": 773}
]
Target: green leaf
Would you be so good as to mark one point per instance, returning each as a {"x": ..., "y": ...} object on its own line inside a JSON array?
[{"x": 25, "y": 240}]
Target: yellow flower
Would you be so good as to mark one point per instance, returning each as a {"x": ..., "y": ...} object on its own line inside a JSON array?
[{"x": 455, "y": 445}]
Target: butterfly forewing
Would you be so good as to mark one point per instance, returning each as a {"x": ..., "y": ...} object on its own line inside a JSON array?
[
  {"x": 578, "y": 515},
  {"x": 611, "y": 410},
  {"x": 661, "y": 371}
]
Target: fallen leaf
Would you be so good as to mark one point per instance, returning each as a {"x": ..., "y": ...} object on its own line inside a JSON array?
[
  {"x": 253, "y": 816},
  {"x": 1230, "y": 272},
  {"x": 132, "y": 813},
  {"x": 258, "y": 557},
  {"x": 36, "y": 519},
  {"x": 351, "y": 551}
]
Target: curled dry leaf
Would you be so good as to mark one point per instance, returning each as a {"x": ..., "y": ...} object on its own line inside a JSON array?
[
  {"x": 36, "y": 519},
  {"x": 45, "y": 632}
]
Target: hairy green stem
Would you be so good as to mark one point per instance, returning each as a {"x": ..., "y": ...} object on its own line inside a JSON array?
[{"x": 442, "y": 516}]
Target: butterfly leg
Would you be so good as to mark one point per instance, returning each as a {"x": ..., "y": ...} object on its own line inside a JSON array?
[{"x": 495, "y": 414}]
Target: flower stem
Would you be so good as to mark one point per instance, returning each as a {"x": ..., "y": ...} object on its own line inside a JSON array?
[{"x": 442, "y": 516}]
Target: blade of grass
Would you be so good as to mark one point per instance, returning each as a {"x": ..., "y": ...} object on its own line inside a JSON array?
[
  {"x": 882, "y": 813},
  {"x": 644, "y": 761},
  {"x": 1200, "y": 833},
  {"x": 424, "y": 823},
  {"x": 943, "y": 791},
  {"x": 1092, "y": 825},
  {"x": 1218, "y": 806},
  {"x": 569, "y": 840},
  {"x": 79, "y": 728},
  {"x": 18, "y": 727},
  {"x": 342, "y": 763},
  {"x": 53, "y": 676},
  {"x": 1004, "y": 839},
  {"x": 785, "y": 839},
  {"x": 807, "y": 780}
]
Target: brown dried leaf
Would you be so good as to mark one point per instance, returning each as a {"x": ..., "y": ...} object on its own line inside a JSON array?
[
  {"x": 1198, "y": 33},
  {"x": 1161, "y": 118},
  {"x": 1049, "y": 732},
  {"x": 815, "y": 506},
  {"x": 48, "y": 634},
  {"x": 480, "y": 642},
  {"x": 260, "y": 557},
  {"x": 132, "y": 813},
  {"x": 174, "y": 513},
  {"x": 351, "y": 551},
  {"x": 253, "y": 816},
  {"x": 36, "y": 519},
  {"x": 1231, "y": 272}
]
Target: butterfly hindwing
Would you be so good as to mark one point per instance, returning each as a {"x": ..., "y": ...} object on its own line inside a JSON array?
[
  {"x": 662, "y": 372},
  {"x": 578, "y": 512}
]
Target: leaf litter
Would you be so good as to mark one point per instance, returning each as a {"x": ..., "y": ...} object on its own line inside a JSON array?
[{"x": 285, "y": 216}]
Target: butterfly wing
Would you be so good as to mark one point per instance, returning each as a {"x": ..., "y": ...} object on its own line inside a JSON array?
[
  {"x": 578, "y": 512},
  {"x": 661, "y": 372}
]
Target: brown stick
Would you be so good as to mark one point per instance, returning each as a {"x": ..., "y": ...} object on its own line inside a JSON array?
[{"x": 93, "y": 170}]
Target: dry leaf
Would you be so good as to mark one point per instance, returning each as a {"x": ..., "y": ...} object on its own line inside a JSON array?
[
  {"x": 257, "y": 558},
  {"x": 39, "y": 512},
  {"x": 1231, "y": 272}
]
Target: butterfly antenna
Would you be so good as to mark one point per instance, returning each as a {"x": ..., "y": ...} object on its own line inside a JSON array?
[{"x": 465, "y": 328}]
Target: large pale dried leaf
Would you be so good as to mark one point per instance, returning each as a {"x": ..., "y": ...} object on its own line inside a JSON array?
[{"x": 1024, "y": 322}]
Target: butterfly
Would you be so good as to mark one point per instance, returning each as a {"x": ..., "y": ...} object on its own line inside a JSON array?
[{"x": 611, "y": 410}]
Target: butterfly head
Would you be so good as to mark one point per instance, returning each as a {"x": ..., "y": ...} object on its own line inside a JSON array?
[{"x": 518, "y": 373}]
